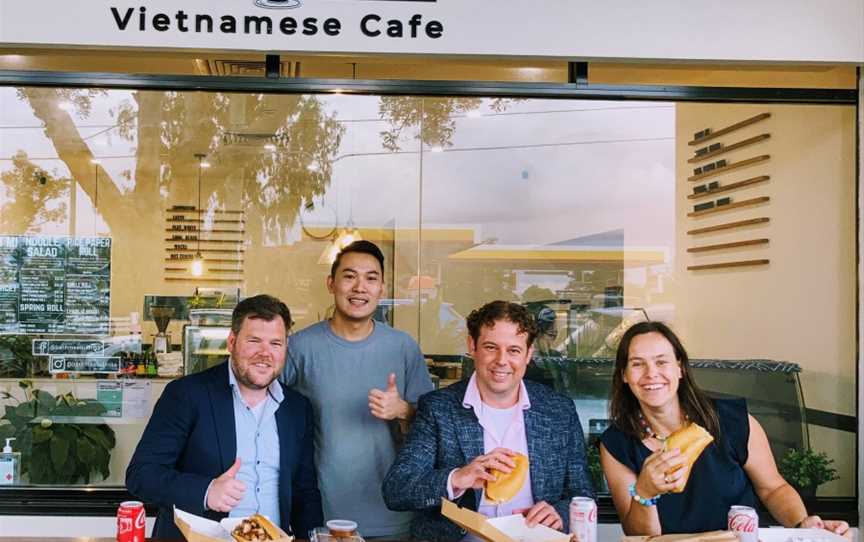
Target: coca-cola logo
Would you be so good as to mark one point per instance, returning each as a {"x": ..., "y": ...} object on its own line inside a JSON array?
[
  {"x": 592, "y": 515},
  {"x": 742, "y": 523},
  {"x": 139, "y": 519},
  {"x": 124, "y": 525}
]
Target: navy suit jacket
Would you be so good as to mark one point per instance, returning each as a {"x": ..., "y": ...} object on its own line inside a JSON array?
[
  {"x": 191, "y": 439},
  {"x": 445, "y": 435}
]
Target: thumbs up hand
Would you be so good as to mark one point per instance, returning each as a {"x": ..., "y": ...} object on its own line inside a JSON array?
[
  {"x": 387, "y": 404},
  {"x": 226, "y": 491}
]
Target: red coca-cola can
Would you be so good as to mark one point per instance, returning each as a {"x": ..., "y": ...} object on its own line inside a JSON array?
[
  {"x": 583, "y": 519},
  {"x": 744, "y": 522},
  {"x": 130, "y": 521}
]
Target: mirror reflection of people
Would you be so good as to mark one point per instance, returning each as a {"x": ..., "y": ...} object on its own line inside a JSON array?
[
  {"x": 462, "y": 432},
  {"x": 231, "y": 440},
  {"x": 363, "y": 378},
  {"x": 654, "y": 395}
]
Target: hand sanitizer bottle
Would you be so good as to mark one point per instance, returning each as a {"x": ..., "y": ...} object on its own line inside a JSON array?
[{"x": 10, "y": 465}]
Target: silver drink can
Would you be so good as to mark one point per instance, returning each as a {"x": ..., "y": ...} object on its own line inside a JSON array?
[
  {"x": 744, "y": 522},
  {"x": 583, "y": 519}
]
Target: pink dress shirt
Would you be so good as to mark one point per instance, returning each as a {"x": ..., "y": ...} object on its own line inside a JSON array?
[{"x": 502, "y": 428}]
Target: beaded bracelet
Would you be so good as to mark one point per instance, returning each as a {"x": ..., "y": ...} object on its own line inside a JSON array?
[{"x": 642, "y": 500}]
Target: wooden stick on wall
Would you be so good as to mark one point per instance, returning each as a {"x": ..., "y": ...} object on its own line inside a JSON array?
[
  {"x": 728, "y": 148},
  {"x": 742, "y": 263},
  {"x": 745, "y": 203},
  {"x": 721, "y": 246},
  {"x": 728, "y": 187},
  {"x": 729, "y": 167},
  {"x": 730, "y": 225},
  {"x": 732, "y": 128}
]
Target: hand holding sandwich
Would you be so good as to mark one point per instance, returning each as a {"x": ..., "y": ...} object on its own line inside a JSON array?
[
  {"x": 475, "y": 474},
  {"x": 226, "y": 491},
  {"x": 664, "y": 471}
]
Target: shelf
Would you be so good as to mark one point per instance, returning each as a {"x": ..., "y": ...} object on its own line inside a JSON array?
[
  {"x": 728, "y": 129},
  {"x": 745, "y": 203},
  {"x": 197, "y": 221},
  {"x": 195, "y": 210},
  {"x": 724, "y": 265},
  {"x": 730, "y": 225},
  {"x": 193, "y": 251},
  {"x": 721, "y": 246},
  {"x": 205, "y": 260},
  {"x": 727, "y": 148},
  {"x": 729, "y": 167},
  {"x": 169, "y": 230},
  {"x": 200, "y": 279},
  {"x": 235, "y": 241},
  {"x": 733, "y": 186}
]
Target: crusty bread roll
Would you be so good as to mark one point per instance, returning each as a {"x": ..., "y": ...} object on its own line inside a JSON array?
[
  {"x": 506, "y": 486},
  {"x": 691, "y": 440},
  {"x": 257, "y": 528}
]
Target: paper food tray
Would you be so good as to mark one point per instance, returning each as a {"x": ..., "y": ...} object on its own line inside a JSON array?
[
  {"x": 503, "y": 529},
  {"x": 198, "y": 529}
]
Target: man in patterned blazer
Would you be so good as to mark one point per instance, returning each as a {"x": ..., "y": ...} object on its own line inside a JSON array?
[{"x": 462, "y": 432}]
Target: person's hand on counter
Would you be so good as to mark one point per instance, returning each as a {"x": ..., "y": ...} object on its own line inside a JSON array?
[{"x": 835, "y": 526}]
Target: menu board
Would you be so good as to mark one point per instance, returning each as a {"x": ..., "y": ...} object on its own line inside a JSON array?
[{"x": 55, "y": 284}]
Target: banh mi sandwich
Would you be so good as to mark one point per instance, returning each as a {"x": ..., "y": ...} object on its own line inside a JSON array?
[
  {"x": 506, "y": 486},
  {"x": 257, "y": 528},
  {"x": 691, "y": 440}
]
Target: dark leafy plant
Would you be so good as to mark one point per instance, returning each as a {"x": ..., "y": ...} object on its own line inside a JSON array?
[
  {"x": 55, "y": 452},
  {"x": 806, "y": 468},
  {"x": 595, "y": 470},
  {"x": 16, "y": 357}
]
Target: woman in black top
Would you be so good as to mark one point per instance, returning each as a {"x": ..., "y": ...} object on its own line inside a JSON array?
[{"x": 654, "y": 395}]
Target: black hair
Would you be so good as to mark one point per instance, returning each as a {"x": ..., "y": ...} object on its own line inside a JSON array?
[{"x": 361, "y": 247}]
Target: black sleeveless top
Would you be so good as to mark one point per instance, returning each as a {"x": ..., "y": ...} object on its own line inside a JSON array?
[{"x": 716, "y": 482}]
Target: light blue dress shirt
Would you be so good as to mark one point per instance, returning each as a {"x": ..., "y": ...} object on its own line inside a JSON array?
[{"x": 258, "y": 450}]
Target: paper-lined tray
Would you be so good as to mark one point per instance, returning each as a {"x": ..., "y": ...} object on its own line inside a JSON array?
[{"x": 773, "y": 534}]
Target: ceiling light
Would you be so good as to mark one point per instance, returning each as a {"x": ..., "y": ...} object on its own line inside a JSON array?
[
  {"x": 95, "y": 161},
  {"x": 437, "y": 148},
  {"x": 313, "y": 166},
  {"x": 270, "y": 147},
  {"x": 66, "y": 106}
]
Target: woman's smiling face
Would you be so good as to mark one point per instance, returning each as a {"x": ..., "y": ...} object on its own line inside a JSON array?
[{"x": 652, "y": 372}]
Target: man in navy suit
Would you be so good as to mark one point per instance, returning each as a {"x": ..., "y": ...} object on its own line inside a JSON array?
[
  {"x": 462, "y": 432},
  {"x": 232, "y": 440}
]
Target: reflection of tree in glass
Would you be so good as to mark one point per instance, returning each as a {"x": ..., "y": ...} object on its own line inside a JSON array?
[
  {"x": 435, "y": 115},
  {"x": 29, "y": 194},
  {"x": 168, "y": 129}
]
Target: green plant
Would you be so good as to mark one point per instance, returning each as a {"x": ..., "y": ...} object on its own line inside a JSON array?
[
  {"x": 16, "y": 357},
  {"x": 806, "y": 468},
  {"x": 56, "y": 452},
  {"x": 595, "y": 470}
]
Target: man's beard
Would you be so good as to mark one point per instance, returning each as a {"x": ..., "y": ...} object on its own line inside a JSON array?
[{"x": 243, "y": 377}]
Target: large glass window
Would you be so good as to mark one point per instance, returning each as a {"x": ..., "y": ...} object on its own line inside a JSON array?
[{"x": 582, "y": 210}]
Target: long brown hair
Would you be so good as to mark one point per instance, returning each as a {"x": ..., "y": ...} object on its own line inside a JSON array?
[{"x": 624, "y": 408}]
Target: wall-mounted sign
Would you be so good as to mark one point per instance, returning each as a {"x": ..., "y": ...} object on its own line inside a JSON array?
[
  {"x": 55, "y": 284},
  {"x": 576, "y": 29},
  {"x": 67, "y": 347},
  {"x": 84, "y": 364}
]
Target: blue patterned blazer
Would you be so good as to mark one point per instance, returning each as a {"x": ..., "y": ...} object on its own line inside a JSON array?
[{"x": 445, "y": 435}]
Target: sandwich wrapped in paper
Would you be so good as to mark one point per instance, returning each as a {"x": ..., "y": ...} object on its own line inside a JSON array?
[{"x": 691, "y": 440}]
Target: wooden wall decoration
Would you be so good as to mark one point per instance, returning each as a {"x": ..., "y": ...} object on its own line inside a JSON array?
[
  {"x": 710, "y": 163},
  {"x": 220, "y": 241}
]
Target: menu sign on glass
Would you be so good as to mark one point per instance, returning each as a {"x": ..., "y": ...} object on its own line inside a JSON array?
[{"x": 55, "y": 284}]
